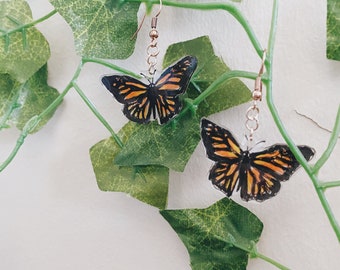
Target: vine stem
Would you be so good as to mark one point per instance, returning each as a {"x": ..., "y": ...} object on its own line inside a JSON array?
[
  {"x": 295, "y": 150},
  {"x": 271, "y": 261},
  {"x": 27, "y": 25},
  {"x": 116, "y": 138},
  {"x": 330, "y": 184},
  {"x": 30, "y": 126},
  {"x": 223, "y": 78},
  {"x": 109, "y": 65},
  {"x": 34, "y": 121},
  {"x": 332, "y": 142},
  {"x": 97, "y": 114},
  {"x": 252, "y": 251},
  {"x": 10, "y": 109},
  {"x": 230, "y": 8}
]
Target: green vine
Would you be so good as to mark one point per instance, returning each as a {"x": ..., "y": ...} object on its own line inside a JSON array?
[
  {"x": 312, "y": 171},
  {"x": 22, "y": 28}
]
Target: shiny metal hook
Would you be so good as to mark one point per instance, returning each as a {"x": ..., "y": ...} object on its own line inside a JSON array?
[
  {"x": 263, "y": 62},
  {"x": 139, "y": 27},
  {"x": 153, "y": 20},
  {"x": 257, "y": 93},
  {"x": 160, "y": 8},
  {"x": 252, "y": 114}
]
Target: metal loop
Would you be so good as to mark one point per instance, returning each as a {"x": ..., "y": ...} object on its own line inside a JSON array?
[
  {"x": 252, "y": 113},
  {"x": 152, "y": 70},
  {"x": 152, "y": 61},
  {"x": 252, "y": 125},
  {"x": 152, "y": 50}
]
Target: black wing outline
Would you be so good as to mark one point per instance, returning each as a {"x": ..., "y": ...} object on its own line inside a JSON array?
[
  {"x": 258, "y": 174},
  {"x": 267, "y": 168},
  {"x": 222, "y": 148},
  {"x": 173, "y": 82},
  {"x": 160, "y": 99}
]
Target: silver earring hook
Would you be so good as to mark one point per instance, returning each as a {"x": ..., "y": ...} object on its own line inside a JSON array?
[
  {"x": 257, "y": 93},
  {"x": 252, "y": 114},
  {"x": 160, "y": 8},
  {"x": 153, "y": 20}
]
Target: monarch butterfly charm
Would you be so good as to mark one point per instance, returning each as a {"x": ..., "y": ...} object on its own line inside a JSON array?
[
  {"x": 258, "y": 173},
  {"x": 143, "y": 102}
]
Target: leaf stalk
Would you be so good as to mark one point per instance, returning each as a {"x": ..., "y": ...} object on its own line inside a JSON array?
[
  {"x": 112, "y": 66},
  {"x": 252, "y": 251},
  {"x": 21, "y": 27},
  {"x": 97, "y": 114},
  {"x": 271, "y": 261},
  {"x": 330, "y": 184},
  {"x": 223, "y": 78},
  {"x": 30, "y": 126}
]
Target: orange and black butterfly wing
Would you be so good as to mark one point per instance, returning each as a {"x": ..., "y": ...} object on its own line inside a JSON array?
[
  {"x": 262, "y": 172},
  {"x": 138, "y": 106},
  {"x": 258, "y": 174},
  {"x": 173, "y": 82},
  {"x": 222, "y": 148},
  {"x": 224, "y": 176}
]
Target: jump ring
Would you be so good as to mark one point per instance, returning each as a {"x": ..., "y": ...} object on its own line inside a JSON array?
[
  {"x": 252, "y": 113},
  {"x": 252, "y": 125}
]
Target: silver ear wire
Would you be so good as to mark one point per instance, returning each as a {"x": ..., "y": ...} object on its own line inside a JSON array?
[
  {"x": 152, "y": 50},
  {"x": 252, "y": 114}
]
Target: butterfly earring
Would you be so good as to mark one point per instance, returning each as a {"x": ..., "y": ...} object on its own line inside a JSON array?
[
  {"x": 256, "y": 174},
  {"x": 155, "y": 100}
]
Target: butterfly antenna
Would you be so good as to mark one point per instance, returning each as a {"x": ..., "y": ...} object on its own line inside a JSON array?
[
  {"x": 259, "y": 142},
  {"x": 247, "y": 141},
  {"x": 263, "y": 141},
  {"x": 150, "y": 79}
]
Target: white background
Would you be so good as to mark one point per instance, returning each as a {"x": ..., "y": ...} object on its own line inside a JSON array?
[{"x": 53, "y": 215}]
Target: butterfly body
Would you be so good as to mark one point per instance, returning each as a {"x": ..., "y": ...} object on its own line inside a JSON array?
[
  {"x": 145, "y": 102},
  {"x": 256, "y": 174}
]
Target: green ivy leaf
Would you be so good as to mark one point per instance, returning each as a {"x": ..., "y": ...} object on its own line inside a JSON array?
[
  {"x": 221, "y": 236},
  {"x": 22, "y": 52},
  {"x": 169, "y": 145},
  {"x": 333, "y": 29},
  {"x": 19, "y": 102},
  {"x": 172, "y": 145},
  {"x": 148, "y": 184},
  {"x": 101, "y": 28},
  {"x": 210, "y": 67}
]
